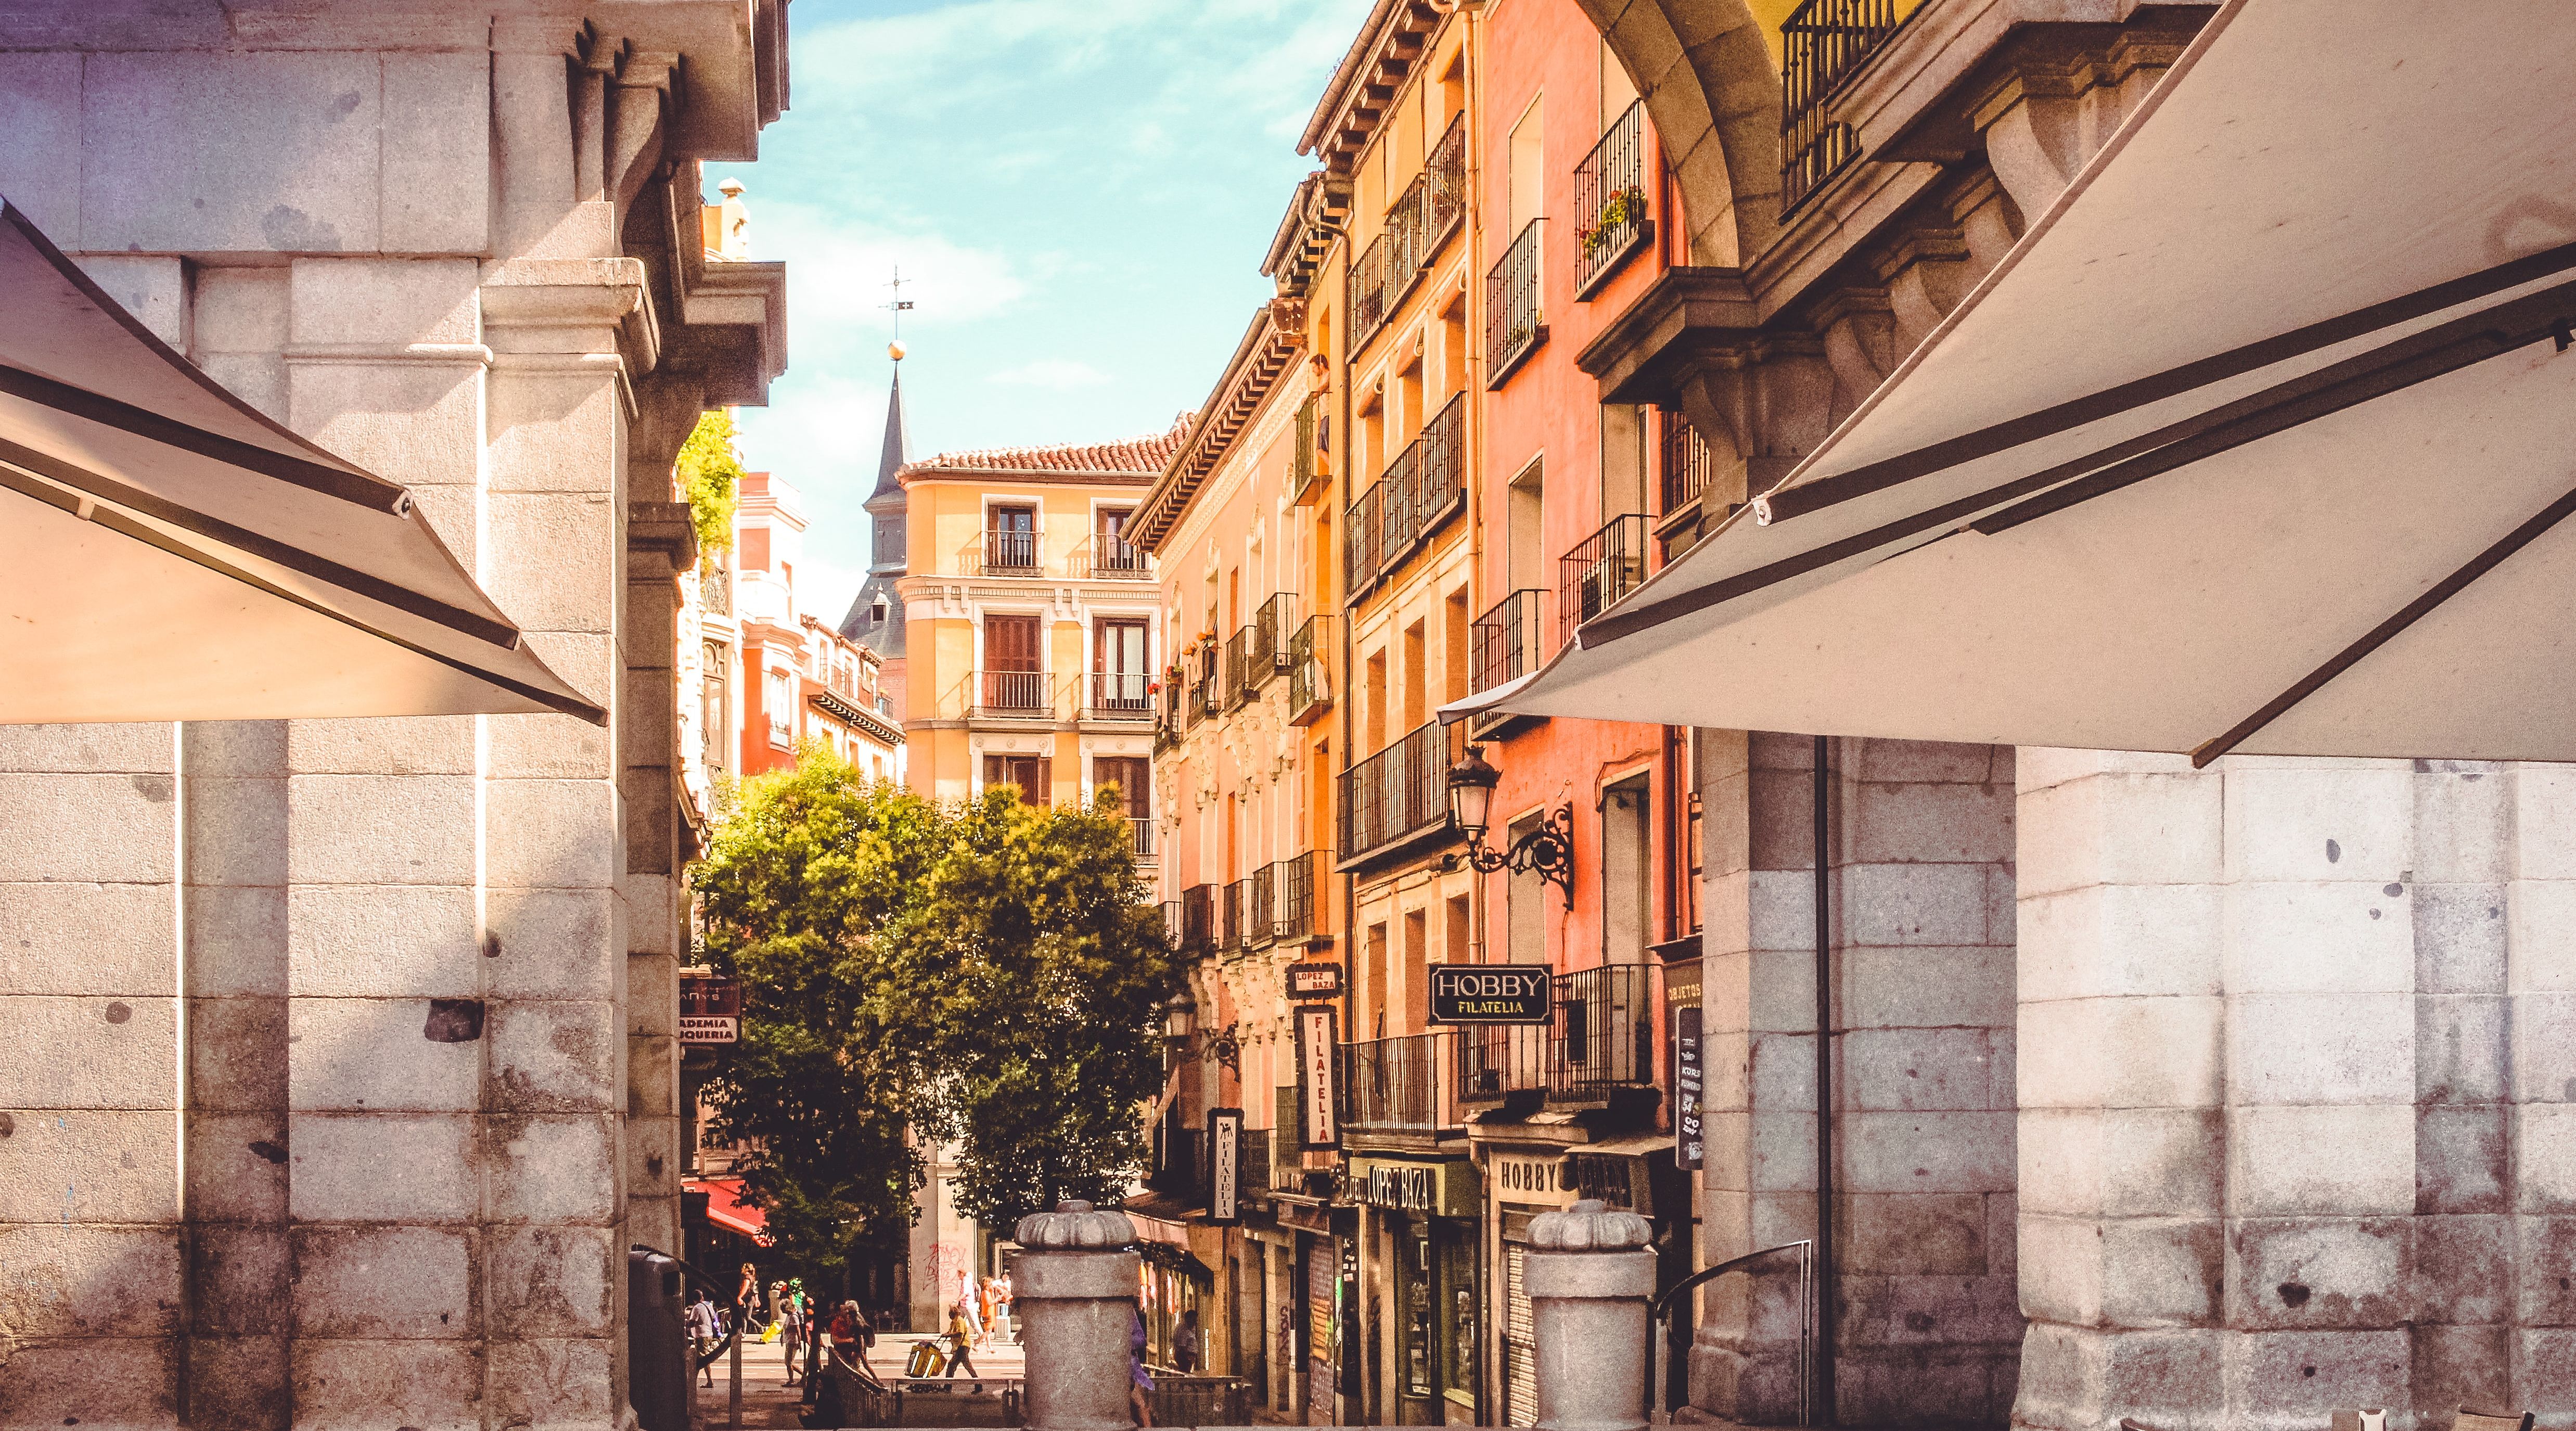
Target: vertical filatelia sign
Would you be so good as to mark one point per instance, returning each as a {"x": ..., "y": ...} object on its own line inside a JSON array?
[
  {"x": 1225, "y": 1166},
  {"x": 1318, "y": 1036}
]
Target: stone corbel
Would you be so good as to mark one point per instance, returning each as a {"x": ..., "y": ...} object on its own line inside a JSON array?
[
  {"x": 594, "y": 72},
  {"x": 2060, "y": 94},
  {"x": 1859, "y": 330},
  {"x": 644, "y": 100},
  {"x": 661, "y": 541}
]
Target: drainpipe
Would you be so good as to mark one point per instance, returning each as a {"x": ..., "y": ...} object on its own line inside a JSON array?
[{"x": 1824, "y": 1414}]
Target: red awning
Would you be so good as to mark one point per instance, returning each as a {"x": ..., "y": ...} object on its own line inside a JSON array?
[{"x": 725, "y": 1208}]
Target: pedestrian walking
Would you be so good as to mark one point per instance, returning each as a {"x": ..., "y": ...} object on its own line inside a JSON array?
[
  {"x": 746, "y": 1298},
  {"x": 791, "y": 1329},
  {"x": 1006, "y": 1310},
  {"x": 961, "y": 1337},
  {"x": 988, "y": 1302},
  {"x": 702, "y": 1333}
]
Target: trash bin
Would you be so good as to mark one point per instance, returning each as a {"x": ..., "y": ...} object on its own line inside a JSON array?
[{"x": 658, "y": 1363}]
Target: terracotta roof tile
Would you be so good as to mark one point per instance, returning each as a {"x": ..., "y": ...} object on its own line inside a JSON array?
[{"x": 1145, "y": 456}]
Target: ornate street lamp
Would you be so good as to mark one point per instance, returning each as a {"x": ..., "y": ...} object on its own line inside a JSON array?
[
  {"x": 1547, "y": 851},
  {"x": 1177, "y": 1018}
]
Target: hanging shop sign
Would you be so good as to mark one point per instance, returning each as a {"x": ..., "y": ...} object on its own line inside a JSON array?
[
  {"x": 1225, "y": 1166},
  {"x": 710, "y": 1009},
  {"x": 1314, "y": 981},
  {"x": 1318, "y": 1042},
  {"x": 1446, "y": 1189},
  {"x": 1490, "y": 993},
  {"x": 1537, "y": 1181}
]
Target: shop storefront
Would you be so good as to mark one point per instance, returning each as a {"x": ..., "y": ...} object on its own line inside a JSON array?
[
  {"x": 1423, "y": 1285},
  {"x": 1524, "y": 1183}
]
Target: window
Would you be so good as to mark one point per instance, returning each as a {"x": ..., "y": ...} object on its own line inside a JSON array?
[
  {"x": 1111, "y": 551},
  {"x": 715, "y": 706},
  {"x": 780, "y": 698},
  {"x": 1011, "y": 539},
  {"x": 1028, "y": 772},
  {"x": 1133, "y": 777},
  {"x": 1118, "y": 667},
  {"x": 1012, "y": 675}
]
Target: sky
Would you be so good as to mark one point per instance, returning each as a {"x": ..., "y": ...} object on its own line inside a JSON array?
[{"x": 1079, "y": 193}]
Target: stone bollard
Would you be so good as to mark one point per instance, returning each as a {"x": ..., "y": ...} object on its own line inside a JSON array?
[
  {"x": 1591, "y": 1281},
  {"x": 1075, "y": 1284}
]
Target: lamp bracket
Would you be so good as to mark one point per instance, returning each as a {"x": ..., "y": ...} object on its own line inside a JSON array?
[{"x": 1547, "y": 851}]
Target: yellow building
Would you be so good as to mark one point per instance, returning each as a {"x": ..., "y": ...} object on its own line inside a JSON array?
[{"x": 1032, "y": 625}]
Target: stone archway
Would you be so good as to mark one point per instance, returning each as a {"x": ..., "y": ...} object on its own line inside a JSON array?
[{"x": 1714, "y": 94}]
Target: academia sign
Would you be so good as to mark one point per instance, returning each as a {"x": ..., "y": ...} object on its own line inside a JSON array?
[
  {"x": 1490, "y": 993},
  {"x": 710, "y": 1009}
]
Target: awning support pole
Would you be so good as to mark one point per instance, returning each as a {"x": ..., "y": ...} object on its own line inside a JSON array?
[{"x": 1824, "y": 1414}]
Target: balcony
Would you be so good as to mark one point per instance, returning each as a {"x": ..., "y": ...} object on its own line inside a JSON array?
[
  {"x": 1114, "y": 560},
  {"x": 1009, "y": 553},
  {"x": 1198, "y": 919},
  {"x": 1120, "y": 696},
  {"x": 1603, "y": 1039},
  {"x": 1602, "y": 568},
  {"x": 1417, "y": 224},
  {"x": 1238, "y": 671},
  {"x": 1444, "y": 176},
  {"x": 1143, "y": 828},
  {"x": 1611, "y": 203},
  {"x": 1231, "y": 939},
  {"x": 1310, "y": 466},
  {"x": 1505, "y": 647},
  {"x": 1826, "y": 42},
  {"x": 1310, "y": 676},
  {"x": 1172, "y": 921},
  {"x": 1396, "y": 1085},
  {"x": 1167, "y": 711},
  {"x": 1496, "y": 1061},
  {"x": 1022, "y": 694},
  {"x": 1397, "y": 795},
  {"x": 1419, "y": 492},
  {"x": 1514, "y": 322},
  {"x": 1301, "y": 918},
  {"x": 1687, "y": 467},
  {"x": 1261, "y": 923},
  {"x": 1266, "y": 654}
]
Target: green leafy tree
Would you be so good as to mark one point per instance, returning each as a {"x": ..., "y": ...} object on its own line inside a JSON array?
[
  {"x": 801, "y": 879},
  {"x": 1034, "y": 973},
  {"x": 710, "y": 474}
]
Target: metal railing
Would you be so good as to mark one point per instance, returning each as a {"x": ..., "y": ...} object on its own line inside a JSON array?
[
  {"x": 1238, "y": 900},
  {"x": 1395, "y": 1083},
  {"x": 1117, "y": 560},
  {"x": 1287, "y": 1160},
  {"x": 1238, "y": 667},
  {"x": 1497, "y": 1060},
  {"x": 1207, "y": 694},
  {"x": 1143, "y": 826},
  {"x": 1397, "y": 523},
  {"x": 1310, "y": 678},
  {"x": 1506, "y": 639},
  {"x": 1444, "y": 175},
  {"x": 1610, "y": 202},
  {"x": 1299, "y": 876},
  {"x": 1604, "y": 1032},
  {"x": 1009, "y": 553},
  {"x": 1012, "y": 693},
  {"x": 1397, "y": 793},
  {"x": 1198, "y": 918},
  {"x": 1308, "y": 464},
  {"x": 1603, "y": 567},
  {"x": 1419, "y": 221},
  {"x": 1360, "y": 538},
  {"x": 1121, "y": 695},
  {"x": 1267, "y": 655},
  {"x": 1514, "y": 322},
  {"x": 1367, "y": 297},
  {"x": 1261, "y": 921},
  {"x": 1422, "y": 488},
  {"x": 1824, "y": 43},
  {"x": 1172, "y": 923},
  {"x": 1687, "y": 462}
]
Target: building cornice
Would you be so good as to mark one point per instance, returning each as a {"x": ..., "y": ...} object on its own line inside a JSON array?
[
  {"x": 1268, "y": 350},
  {"x": 1363, "y": 88}
]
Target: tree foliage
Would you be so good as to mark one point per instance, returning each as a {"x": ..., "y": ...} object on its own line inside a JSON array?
[
  {"x": 986, "y": 971},
  {"x": 710, "y": 474}
]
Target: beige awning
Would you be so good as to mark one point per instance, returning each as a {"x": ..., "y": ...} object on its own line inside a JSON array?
[
  {"x": 2260, "y": 439},
  {"x": 167, "y": 553}
]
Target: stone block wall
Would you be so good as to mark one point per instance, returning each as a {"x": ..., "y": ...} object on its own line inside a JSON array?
[
  {"x": 352, "y": 1069},
  {"x": 1920, "y": 883},
  {"x": 2293, "y": 1079}
]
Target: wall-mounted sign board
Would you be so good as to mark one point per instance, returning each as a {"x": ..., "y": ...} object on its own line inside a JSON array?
[{"x": 1490, "y": 993}]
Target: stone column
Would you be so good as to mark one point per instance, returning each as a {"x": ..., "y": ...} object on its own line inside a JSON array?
[
  {"x": 1076, "y": 1290},
  {"x": 1591, "y": 1278}
]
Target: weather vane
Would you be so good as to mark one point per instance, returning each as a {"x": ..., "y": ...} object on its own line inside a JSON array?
[{"x": 898, "y": 307}]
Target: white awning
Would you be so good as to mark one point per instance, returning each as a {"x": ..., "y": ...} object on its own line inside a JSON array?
[
  {"x": 2258, "y": 440},
  {"x": 167, "y": 553}
]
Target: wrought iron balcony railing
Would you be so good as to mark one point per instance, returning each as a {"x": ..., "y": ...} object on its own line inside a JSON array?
[
  {"x": 1310, "y": 676},
  {"x": 1421, "y": 489},
  {"x": 1237, "y": 898},
  {"x": 1444, "y": 176},
  {"x": 1261, "y": 919},
  {"x": 1687, "y": 462},
  {"x": 1506, "y": 639},
  {"x": 1824, "y": 43},
  {"x": 1310, "y": 466},
  {"x": 1610, "y": 201},
  {"x": 1299, "y": 876},
  {"x": 1419, "y": 221},
  {"x": 1238, "y": 667},
  {"x": 1267, "y": 653},
  {"x": 1198, "y": 919},
  {"x": 1398, "y": 1083},
  {"x": 1396, "y": 794},
  {"x": 1604, "y": 1032},
  {"x": 1115, "y": 560},
  {"x": 1143, "y": 826},
  {"x": 1515, "y": 323},
  {"x": 1010, "y": 552},
  {"x": 1603, "y": 567},
  {"x": 1498, "y": 1060},
  {"x": 1013, "y": 693},
  {"x": 1121, "y": 695}
]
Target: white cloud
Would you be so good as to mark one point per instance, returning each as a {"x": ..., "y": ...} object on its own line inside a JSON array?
[
  {"x": 1057, "y": 374},
  {"x": 838, "y": 270}
]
